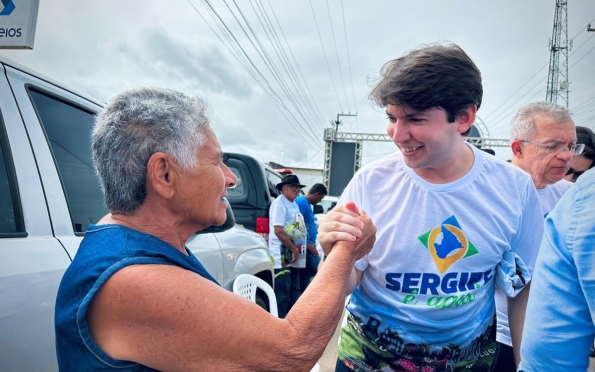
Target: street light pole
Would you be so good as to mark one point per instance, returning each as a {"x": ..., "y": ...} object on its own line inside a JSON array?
[{"x": 338, "y": 122}]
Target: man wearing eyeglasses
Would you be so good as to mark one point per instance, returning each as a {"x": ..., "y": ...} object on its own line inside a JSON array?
[
  {"x": 287, "y": 242},
  {"x": 543, "y": 142}
]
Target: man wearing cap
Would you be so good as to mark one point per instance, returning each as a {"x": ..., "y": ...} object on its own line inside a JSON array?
[{"x": 287, "y": 242}]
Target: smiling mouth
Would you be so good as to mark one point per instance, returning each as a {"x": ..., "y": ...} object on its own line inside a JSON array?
[{"x": 410, "y": 149}]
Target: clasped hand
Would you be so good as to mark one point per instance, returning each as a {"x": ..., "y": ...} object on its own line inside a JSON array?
[{"x": 348, "y": 226}]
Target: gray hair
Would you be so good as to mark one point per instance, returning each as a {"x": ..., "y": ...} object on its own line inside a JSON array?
[
  {"x": 522, "y": 126},
  {"x": 135, "y": 125}
]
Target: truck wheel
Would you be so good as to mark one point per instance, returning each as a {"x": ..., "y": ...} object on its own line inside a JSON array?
[{"x": 262, "y": 300}]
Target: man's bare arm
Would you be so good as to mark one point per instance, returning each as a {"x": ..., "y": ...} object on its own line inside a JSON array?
[
  {"x": 284, "y": 238},
  {"x": 286, "y": 241},
  {"x": 516, "y": 320}
]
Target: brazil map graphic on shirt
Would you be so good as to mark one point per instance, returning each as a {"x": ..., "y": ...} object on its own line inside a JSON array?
[
  {"x": 375, "y": 340},
  {"x": 453, "y": 247}
]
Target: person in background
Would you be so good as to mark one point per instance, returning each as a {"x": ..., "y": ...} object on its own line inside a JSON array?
[
  {"x": 489, "y": 151},
  {"x": 586, "y": 160},
  {"x": 448, "y": 215},
  {"x": 569, "y": 176},
  {"x": 561, "y": 328},
  {"x": 305, "y": 203},
  {"x": 287, "y": 242},
  {"x": 583, "y": 162},
  {"x": 543, "y": 142},
  {"x": 136, "y": 299}
]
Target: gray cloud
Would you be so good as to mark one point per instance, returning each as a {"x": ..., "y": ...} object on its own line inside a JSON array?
[
  {"x": 105, "y": 47},
  {"x": 199, "y": 67}
]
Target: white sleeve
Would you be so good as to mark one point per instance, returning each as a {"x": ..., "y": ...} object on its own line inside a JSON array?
[
  {"x": 527, "y": 240},
  {"x": 277, "y": 213}
]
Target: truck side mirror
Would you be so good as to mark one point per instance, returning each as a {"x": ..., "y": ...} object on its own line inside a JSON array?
[
  {"x": 318, "y": 209},
  {"x": 230, "y": 222}
]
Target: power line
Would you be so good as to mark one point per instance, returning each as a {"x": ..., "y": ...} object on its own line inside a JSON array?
[
  {"x": 325, "y": 57},
  {"x": 283, "y": 59},
  {"x": 249, "y": 65},
  {"x": 583, "y": 105},
  {"x": 515, "y": 102},
  {"x": 275, "y": 72},
  {"x": 582, "y": 57},
  {"x": 270, "y": 65},
  {"x": 349, "y": 63},
  {"x": 307, "y": 99},
  {"x": 312, "y": 157},
  {"x": 586, "y": 41},
  {"x": 506, "y": 113},
  {"x": 538, "y": 71},
  {"x": 330, "y": 19},
  {"x": 296, "y": 63},
  {"x": 512, "y": 95},
  {"x": 585, "y": 114}
]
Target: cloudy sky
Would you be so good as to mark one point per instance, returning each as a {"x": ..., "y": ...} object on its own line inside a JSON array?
[{"x": 305, "y": 61}]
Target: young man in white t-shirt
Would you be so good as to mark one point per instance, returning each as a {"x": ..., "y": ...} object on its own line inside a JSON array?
[
  {"x": 446, "y": 214},
  {"x": 543, "y": 142}
]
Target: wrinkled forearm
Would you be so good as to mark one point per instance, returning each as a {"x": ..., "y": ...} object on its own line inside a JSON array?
[{"x": 317, "y": 313}]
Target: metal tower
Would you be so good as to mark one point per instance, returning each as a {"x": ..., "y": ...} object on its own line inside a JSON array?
[{"x": 557, "y": 80}]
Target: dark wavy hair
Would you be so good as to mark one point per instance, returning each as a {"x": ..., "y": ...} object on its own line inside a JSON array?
[
  {"x": 586, "y": 136},
  {"x": 431, "y": 76}
]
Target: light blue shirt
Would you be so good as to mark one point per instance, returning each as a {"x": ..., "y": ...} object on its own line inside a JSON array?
[{"x": 559, "y": 325}]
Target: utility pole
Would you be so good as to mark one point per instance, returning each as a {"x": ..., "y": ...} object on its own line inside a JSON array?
[
  {"x": 338, "y": 122},
  {"x": 557, "y": 80}
]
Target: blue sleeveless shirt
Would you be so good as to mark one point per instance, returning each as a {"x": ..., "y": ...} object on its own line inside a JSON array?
[{"x": 104, "y": 250}]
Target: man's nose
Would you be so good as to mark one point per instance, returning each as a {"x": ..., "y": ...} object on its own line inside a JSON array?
[
  {"x": 230, "y": 177},
  {"x": 565, "y": 154},
  {"x": 400, "y": 133}
]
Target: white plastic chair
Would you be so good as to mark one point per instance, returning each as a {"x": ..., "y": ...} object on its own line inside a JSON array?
[{"x": 246, "y": 285}]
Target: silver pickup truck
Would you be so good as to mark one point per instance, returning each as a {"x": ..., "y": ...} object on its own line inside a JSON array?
[{"x": 49, "y": 194}]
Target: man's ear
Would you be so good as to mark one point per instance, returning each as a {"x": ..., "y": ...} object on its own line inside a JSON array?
[
  {"x": 160, "y": 175},
  {"x": 466, "y": 118},
  {"x": 517, "y": 148}
]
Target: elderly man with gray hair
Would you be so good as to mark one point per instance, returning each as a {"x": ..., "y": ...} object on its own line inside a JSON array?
[
  {"x": 543, "y": 142},
  {"x": 136, "y": 299}
]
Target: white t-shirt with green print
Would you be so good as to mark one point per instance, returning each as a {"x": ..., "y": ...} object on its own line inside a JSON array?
[{"x": 426, "y": 297}]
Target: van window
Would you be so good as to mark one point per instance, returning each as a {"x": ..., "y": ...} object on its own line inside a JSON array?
[
  {"x": 273, "y": 179},
  {"x": 68, "y": 130},
  {"x": 238, "y": 190},
  {"x": 8, "y": 221}
]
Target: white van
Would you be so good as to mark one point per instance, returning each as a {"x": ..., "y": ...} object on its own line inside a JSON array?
[{"x": 49, "y": 194}]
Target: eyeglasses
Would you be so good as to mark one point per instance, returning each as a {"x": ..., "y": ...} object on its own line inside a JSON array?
[{"x": 557, "y": 148}]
